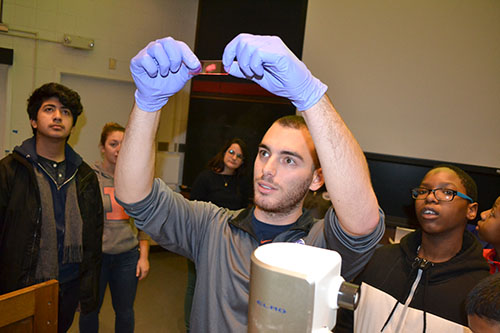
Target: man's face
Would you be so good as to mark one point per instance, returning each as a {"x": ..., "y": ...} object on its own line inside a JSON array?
[
  {"x": 439, "y": 216},
  {"x": 53, "y": 120},
  {"x": 489, "y": 225},
  {"x": 284, "y": 170}
]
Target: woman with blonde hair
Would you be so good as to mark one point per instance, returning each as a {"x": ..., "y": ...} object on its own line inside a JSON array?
[{"x": 124, "y": 249}]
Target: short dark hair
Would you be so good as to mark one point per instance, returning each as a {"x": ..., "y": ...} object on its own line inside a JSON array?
[
  {"x": 108, "y": 129},
  {"x": 298, "y": 122},
  {"x": 216, "y": 164},
  {"x": 465, "y": 179},
  {"x": 484, "y": 299},
  {"x": 69, "y": 98},
  {"x": 292, "y": 121}
]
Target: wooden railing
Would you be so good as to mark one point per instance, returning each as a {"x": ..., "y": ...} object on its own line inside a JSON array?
[{"x": 31, "y": 309}]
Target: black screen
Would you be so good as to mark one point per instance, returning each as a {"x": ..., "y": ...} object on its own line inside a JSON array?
[{"x": 394, "y": 176}]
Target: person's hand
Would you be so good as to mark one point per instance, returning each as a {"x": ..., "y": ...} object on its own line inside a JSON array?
[
  {"x": 142, "y": 268},
  {"x": 160, "y": 70},
  {"x": 267, "y": 61}
]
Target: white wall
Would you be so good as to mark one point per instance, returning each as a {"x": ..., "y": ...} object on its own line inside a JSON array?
[
  {"x": 105, "y": 101},
  {"x": 412, "y": 78},
  {"x": 120, "y": 29}
]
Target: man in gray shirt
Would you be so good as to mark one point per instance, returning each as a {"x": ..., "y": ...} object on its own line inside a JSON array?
[{"x": 220, "y": 241}]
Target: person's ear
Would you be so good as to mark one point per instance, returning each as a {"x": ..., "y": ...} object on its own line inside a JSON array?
[
  {"x": 33, "y": 123},
  {"x": 472, "y": 211},
  {"x": 318, "y": 180}
]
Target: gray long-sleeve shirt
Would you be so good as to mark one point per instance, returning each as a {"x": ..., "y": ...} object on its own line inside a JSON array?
[
  {"x": 120, "y": 234},
  {"x": 221, "y": 241}
]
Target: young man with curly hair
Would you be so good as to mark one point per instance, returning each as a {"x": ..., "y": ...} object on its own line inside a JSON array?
[{"x": 51, "y": 212}]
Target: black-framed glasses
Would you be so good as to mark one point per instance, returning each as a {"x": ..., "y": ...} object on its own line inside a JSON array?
[
  {"x": 232, "y": 153},
  {"x": 441, "y": 194}
]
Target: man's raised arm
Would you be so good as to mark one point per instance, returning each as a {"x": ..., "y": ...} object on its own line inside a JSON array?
[
  {"x": 344, "y": 168},
  {"x": 267, "y": 61},
  {"x": 159, "y": 70}
]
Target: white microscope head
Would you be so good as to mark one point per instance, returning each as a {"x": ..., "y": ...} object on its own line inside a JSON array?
[{"x": 296, "y": 288}]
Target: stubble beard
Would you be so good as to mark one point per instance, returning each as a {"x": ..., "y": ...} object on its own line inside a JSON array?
[{"x": 290, "y": 200}]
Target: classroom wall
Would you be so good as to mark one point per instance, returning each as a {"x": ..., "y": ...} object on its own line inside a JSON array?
[
  {"x": 412, "y": 78},
  {"x": 120, "y": 29}
]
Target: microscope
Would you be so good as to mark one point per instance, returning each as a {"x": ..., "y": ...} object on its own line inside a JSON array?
[{"x": 297, "y": 288}]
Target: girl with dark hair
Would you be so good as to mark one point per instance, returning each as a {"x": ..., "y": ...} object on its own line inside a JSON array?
[{"x": 223, "y": 184}]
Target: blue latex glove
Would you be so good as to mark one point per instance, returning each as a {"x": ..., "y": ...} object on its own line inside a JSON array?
[
  {"x": 160, "y": 70},
  {"x": 267, "y": 61}
]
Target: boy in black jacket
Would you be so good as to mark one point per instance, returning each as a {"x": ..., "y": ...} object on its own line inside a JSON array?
[
  {"x": 421, "y": 284},
  {"x": 51, "y": 212}
]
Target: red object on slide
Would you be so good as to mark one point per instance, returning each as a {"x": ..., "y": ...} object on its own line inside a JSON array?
[{"x": 210, "y": 67}]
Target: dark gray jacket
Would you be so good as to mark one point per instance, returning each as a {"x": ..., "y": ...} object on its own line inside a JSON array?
[
  {"x": 221, "y": 241},
  {"x": 20, "y": 216},
  {"x": 437, "y": 304}
]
